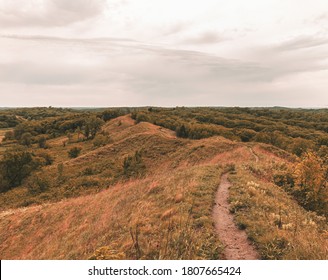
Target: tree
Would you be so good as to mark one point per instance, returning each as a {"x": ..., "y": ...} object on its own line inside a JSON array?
[
  {"x": 300, "y": 145},
  {"x": 246, "y": 135},
  {"x": 9, "y": 135},
  {"x": 92, "y": 126},
  {"x": 262, "y": 137},
  {"x": 21, "y": 129},
  {"x": 311, "y": 182},
  {"x": 110, "y": 114},
  {"x": 16, "y": 165},
  {"x": 142, "y": 117},
  {"x": 26, "y": 139},
  {"x": 38, "y": 183},
  {"x": 182, "y": 131},
  {"x": 42, "y": 142}
]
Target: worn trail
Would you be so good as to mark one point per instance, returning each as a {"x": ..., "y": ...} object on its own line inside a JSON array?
[
  {"x": 254, "y": 155},
  {"x": 237, "y": 246}
]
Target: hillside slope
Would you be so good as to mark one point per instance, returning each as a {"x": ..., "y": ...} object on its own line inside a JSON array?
[{"x": 150, "y": 195}]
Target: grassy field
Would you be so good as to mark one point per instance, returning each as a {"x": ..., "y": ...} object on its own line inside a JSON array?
[
  {"x": 279, "y": 227},
  {"x": 147, "y": 194},
  {"x": 169, "y": 222}
]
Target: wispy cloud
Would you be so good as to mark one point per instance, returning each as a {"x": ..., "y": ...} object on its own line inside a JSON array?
[
  {"x": 208, "y": 37},
  {"x": 303, "y": 42},
  {"x": 149, "y": 74},
  {"x": 45, "y": 13}
]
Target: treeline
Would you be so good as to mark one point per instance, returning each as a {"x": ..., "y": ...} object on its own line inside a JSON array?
[
  {"x": 12, "y": 117},
  {"x": 29, "y": 130},
  {"x": 21, "y": 160},
  {"x": 39, "y": 113},
  {"x": 294, "y": 130},
  {"x": 8, "y": 120}
]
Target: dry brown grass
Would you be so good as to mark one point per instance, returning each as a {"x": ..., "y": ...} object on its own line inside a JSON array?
[
  {"x": 169, "y": 210},
  {"x": 76, "y": 228},
  {"x": 93, "y": 210}
]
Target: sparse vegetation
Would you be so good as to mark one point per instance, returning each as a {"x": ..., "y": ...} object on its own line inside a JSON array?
[
  {"x": 74, "y": 152},
  {"x": 114, "y": 187}
]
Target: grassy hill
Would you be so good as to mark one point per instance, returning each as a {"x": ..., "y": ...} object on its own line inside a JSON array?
[{"x": 146, "y": 194}]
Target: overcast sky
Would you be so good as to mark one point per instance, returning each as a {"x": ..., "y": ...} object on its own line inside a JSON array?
[{"x": 164, "y": 53}]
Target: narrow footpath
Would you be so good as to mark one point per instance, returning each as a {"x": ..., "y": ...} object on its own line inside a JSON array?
[{"x": 237, "y": 246}]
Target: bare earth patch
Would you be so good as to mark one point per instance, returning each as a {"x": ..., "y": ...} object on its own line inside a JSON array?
[{"x": 237, "y": 246}]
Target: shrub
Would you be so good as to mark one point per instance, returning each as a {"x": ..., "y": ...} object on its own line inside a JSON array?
[
  {"x": 74, "y": 152},
  {"x": 92, "y": 126},
  {"x": 88, "y": 171},
  {"x": 9, "y": 135},
  {"x": 133, "y": 165},
  {"x": 26, "y": 139},
  {"x": 100, "y": 140},
  {"x": 42, "y": 142},
  {"x": 38, "y": 184},
  {"x": 47, "y": 158},
  {"x": 182, "y": 131}
]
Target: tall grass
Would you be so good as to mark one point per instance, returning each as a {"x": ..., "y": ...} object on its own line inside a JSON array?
[{"x": 280, "y": 228}]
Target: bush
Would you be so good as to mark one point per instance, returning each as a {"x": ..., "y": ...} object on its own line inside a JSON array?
[
  {"x": 100, "y": 140},
  {"x": 74, "y": 152},
  {"x": 91, "y": 127},
  {"x": 42, "y": 142},
  {"x": 88, "y": 171},
  {"x": 46, "y": 158},
  {"x": 133, "y": 165},
  {"x": 26, "y": 139},
  {"x": 9, "y": 135},
  {"x": 16, "y": 165},
  {"x": 311, "y": 183},
  {"x": 37, "y": 184}
]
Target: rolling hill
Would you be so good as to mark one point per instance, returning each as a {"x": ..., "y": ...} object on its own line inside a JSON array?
[{"x": 147, "y": 194}]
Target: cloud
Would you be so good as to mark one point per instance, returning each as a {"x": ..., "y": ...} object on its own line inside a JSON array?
[
  {"x": 100, "y": 71},
  {"x": 64, "y": 61},
  {"x": 101, "y": 61},
  {"x": 303, "y": 42},
  {"x": 175, "y": 28},
  {"x": 43, "y": 13},
  {"x": 291, "y": 57},
  {"x": 207, "y": 37}
]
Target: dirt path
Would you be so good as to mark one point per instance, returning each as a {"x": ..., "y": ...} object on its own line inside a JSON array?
[
  {"x": 255, "y": 155},
  {"x": 237, "y": 246}
]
